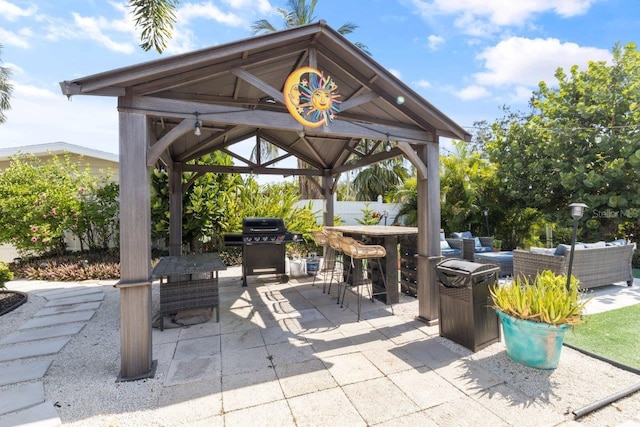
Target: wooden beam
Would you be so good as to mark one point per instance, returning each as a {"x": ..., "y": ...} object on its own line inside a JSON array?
[
  {"x": 163, "y": 143},
  {"x": 256, "y": 82},
  {"x": 368, "y": 160},
  {"x": 175, "y": 210},
  {"x": 259, "y": 170},
  {"x": 358, "y": 100},
  {"x": 271, "y": 120},
  {"x": 413, "y": 157}
]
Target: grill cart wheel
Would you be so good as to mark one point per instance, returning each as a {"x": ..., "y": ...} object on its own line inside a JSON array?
[{"x": 284, "y": 278}]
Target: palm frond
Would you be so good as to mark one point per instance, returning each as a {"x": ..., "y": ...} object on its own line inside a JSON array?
[{"x": 155, "y": 19}]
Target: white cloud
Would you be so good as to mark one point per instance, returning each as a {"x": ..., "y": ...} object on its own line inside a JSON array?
[
  {"x": 397, "y": 74},
  {"x": 93, "y": 27},
  {"x": 422, "y": 83},
  {"x": 262, "y": 6},
  {"x": 478, "y": 17},
  {"x": 472, "y": 92},
  {"x": 11, "y": 12},
  {"x": 525, "y": 62},
  {"x": 435, "y": 42},
  {"x": 86, "y": 121},
  {"x": 191, "y": 11},
  {"x": 10, "y": 38}
]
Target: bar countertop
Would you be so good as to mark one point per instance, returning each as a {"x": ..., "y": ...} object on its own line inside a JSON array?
[{"x": 374, "y": 230}]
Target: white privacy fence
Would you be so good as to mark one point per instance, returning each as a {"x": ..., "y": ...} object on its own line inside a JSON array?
[{"x": 349, "y": 212}]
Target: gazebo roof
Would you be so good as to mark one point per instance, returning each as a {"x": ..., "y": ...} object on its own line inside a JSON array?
[{"x": 236, "y": 89}]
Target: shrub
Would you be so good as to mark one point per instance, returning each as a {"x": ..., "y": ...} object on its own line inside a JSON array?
[{"x": 5, "y": 274}]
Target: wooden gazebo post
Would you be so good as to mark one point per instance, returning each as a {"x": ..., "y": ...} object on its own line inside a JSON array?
[
  {"x": 428, "y": 232},
  {"x": 135, "y": 247}
]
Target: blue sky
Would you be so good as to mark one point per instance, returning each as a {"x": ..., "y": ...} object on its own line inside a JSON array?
[{"x": 466, "y": 57}]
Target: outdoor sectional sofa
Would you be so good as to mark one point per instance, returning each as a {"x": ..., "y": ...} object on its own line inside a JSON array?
[{"x": 594, "y": 264}]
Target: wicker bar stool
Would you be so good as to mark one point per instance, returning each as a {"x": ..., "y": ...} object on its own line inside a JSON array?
[
  {"x": 359, "y": 251},
  {"x": 338, "y": 261},
  {"x": 322, "y": 239}
]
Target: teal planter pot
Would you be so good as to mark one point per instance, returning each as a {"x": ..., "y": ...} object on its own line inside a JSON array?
[{"x": 534, "y": 344}]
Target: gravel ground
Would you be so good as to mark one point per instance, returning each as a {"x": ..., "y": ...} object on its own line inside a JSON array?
[{"x": 81, "y": 380}]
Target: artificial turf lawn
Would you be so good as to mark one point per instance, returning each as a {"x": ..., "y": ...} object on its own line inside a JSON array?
[{"x": 613, "y": 334}]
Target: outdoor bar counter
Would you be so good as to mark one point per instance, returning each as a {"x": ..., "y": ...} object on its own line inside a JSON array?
[
  {"x": 386, "y": 236},
  {"x": 188, "y": 281}
]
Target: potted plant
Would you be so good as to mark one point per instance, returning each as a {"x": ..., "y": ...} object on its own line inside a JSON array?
[
  {"x": 497, "y": 245},
  {"x": 535, "y": 316}
]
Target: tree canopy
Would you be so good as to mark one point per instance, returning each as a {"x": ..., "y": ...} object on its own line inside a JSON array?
[{"x": 579, "y": 143}]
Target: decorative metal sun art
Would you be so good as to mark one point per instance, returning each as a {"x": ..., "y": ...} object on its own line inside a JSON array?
[{"x": 311, "y": 98}]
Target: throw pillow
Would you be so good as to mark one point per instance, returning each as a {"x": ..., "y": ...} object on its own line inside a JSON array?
[
  {"x": 619, "y": 242},
  {"x": 478, "y": 244},
  {"x": 444, "y": 245},
  {"x": 561, "y": 250}
]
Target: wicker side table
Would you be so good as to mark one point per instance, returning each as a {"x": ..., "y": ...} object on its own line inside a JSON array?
[{"x": 188, "y": 281}]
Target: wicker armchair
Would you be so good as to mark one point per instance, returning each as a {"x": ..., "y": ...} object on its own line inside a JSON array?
[
  {"x": 592, "y": 266},
  {"x": 466, "y": 241},
  {"x": 450, "y": 248}
]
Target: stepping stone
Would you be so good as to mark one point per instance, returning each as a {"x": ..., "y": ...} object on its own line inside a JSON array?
[
  {"x": 32, "y": 349},
  {"x": 43, "y": 333},
  {"x": 57, "y": 319},
  {"x": 20, "y": 372},
  {"x": 76, "y": 300},
  {"x": 68, "y": 308},
  {"x": 73, "y": 293},
  {"x": 42, "y": 415},
  {"x": 21, "y": 397}
]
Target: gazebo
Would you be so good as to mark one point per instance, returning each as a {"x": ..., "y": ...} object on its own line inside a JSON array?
[{"x": 177, "y": 109}]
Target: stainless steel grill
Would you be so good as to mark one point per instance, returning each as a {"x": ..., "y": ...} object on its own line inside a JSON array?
[{"x": 263, "y": 246}]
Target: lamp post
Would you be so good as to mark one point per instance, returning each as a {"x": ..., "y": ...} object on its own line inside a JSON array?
[
  {"x": 385, "y": 213},
  {"x": 486, "y": 218},
  {"x": 577, "y": 210}
]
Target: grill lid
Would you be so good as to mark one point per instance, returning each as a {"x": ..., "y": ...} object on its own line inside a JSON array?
[{"x": 263, "y": 226}]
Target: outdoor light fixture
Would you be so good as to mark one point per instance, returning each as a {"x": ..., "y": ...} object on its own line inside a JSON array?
[
  {"x": 385, "y": 213},
  {"x": 197, "y": 131},
  {"x": 486, "y": 218},
  {"x": 387, "y": 147},
  {"x": 577, "y": 210}
]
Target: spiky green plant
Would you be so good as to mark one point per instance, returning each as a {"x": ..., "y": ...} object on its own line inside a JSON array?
[{"x": 547, "y": 299}]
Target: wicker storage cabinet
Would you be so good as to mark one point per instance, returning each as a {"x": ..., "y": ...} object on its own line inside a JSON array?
[{"x": 465, "y": 313}]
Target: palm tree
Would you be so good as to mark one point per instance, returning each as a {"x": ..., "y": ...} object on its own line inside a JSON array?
[
  {"x": 298, "y": 13},
  {"x": 5, "y": 90}
]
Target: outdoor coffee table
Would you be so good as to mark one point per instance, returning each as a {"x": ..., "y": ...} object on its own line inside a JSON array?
[{"x": 503, "y": 259}]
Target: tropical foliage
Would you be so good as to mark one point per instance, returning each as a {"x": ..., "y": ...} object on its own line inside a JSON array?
[
  {"x": 41, "y": 201},
  {"x": 155, "y": 20},
  {"x": 6, "y": 88},
  {"x": 208, "y": 204},
  {"x": 579, "y": 143},
  {"x": 547, "y": 299}
]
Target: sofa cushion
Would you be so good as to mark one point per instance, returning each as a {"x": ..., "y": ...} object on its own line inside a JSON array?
[
  {"x": 542, "y": 251},
  {"x": 450, "y": 252},
  {"x": 481, "y": 249},
  {"x": 462, "y": 235},
  {"x": 594, "y": 245},
  {"x": 618, "y": 242}
]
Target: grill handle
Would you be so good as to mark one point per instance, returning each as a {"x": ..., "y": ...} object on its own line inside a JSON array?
[{"x": 259, "y": 230}]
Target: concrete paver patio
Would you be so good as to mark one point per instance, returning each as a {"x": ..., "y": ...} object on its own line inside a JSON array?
[{"x": 287, "y": 354}]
